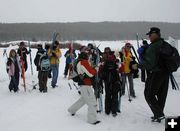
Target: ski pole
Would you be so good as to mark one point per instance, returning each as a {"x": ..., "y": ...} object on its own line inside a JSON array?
[
  {"x": 79, "y": 92},
  {"x": 119, "y": 100},
  {"x": 175, "y": 82},
  {"x": 172, "y": 82},
  {"x": 70, "y": 86},
  {"x": 135, "y": 54},
  {"x": 30, "y": 57}
]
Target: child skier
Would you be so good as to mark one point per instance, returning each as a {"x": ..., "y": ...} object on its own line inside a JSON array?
[{"x": 13, "y": 69}]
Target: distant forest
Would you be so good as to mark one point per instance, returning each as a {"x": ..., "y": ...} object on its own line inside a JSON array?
[{"x": 84, "y": 30}]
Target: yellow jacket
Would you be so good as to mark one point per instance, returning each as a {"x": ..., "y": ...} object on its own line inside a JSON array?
[
  {"x": 127, "y": 58},
  {"x": 54, "y": 59}
]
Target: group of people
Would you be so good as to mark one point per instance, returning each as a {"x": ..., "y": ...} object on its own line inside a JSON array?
[
  {"x": 46, "y": 61},
  {"x": 111, "y": 70},
  {"x": 114, "y": 73}
]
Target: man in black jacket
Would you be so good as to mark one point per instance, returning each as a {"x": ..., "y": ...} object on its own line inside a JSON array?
[{"x": 156, "y": 86}]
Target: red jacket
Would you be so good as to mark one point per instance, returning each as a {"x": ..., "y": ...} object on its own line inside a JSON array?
[{"x": 83, "y": 67}]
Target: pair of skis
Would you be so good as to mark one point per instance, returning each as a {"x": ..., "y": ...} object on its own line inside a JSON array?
[
  {"x": 23, "y": 69},
  {"x": 98, "y": 90}
]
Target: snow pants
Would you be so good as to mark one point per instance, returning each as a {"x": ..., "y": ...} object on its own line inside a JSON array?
[
  {"x": 156, "y": 88},
  {"x": 66, "y": 69},
  {"x": 87, "y": 97},
  {"x": 43, "y": 77},
  {"x": 111, "y": 96},
  {"x": 14, "y": 83},
  {"x": 131, "y": 84},
  {"x": 55, "y": 73}
]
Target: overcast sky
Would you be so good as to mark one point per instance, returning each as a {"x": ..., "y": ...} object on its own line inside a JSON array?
[{"x": 89, "y": 10}]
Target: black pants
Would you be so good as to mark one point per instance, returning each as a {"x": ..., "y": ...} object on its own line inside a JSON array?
[
  {"x": 156, "y": 88},
  {"x": 25, "y": 65},
  {"x": 43, "y": 77},
  {"x": 143, "y": 75},
  {"x": 111, "y": 96},
  {"x": 14, "y": 83},
  {"x": 66, "y": 69}
]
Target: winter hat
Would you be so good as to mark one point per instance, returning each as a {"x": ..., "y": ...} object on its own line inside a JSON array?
[
  {"x": 128, "y": 45},
  {"x": 107, "y": 49},
  {"x": 39, "y": 46},
  {"x": 90, "y": 45},
  {"x": 56, "y": 42},
  {"x": 84, "y": 49},
  {"x": 22, "y": 43}
]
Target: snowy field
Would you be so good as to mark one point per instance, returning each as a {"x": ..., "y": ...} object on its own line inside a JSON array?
[{"x": 34, "y": 111}]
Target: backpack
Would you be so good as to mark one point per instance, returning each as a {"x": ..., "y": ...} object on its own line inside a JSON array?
[
  {"x": 44, "y": 62},
  {"x": 170, "y": 57},
  {"x": 74, "y": 74}
]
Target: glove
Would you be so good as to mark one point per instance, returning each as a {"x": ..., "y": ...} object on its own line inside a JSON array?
[
  {"x": 97, "y": 68},
  {"x": 141, "y": 66},
  {"x": 135, "y": 66}
]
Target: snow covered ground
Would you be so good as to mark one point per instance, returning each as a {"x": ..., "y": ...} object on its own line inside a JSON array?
[{"x": 34, "y": 111}]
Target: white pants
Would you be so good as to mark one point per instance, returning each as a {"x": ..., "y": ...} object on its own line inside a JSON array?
[{"x": 87, "y": 97}]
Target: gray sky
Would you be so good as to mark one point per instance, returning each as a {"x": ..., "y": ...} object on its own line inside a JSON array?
[{"x": 89, "y": 10}]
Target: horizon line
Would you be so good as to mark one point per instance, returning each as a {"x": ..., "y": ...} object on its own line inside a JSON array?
[{"x": 53, "y": 22}]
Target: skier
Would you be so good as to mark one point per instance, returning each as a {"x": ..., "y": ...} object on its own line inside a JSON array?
[
  {"x": 69, "y": 58},
  {"x": 42, "y": 72},
  {"x": 87, "y": 96},
  {"x": 112, "y": 81},
  {"x": 127, "y": 58},
  {"x": 54, "y": 56},
  {"x": 13, "y": 69},
  {"x": 156, "y": 86},
  {"x": 22, "y": 52}
]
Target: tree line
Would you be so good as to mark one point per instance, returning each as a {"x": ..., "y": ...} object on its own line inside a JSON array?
[{"x": 84, "y": 30}]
